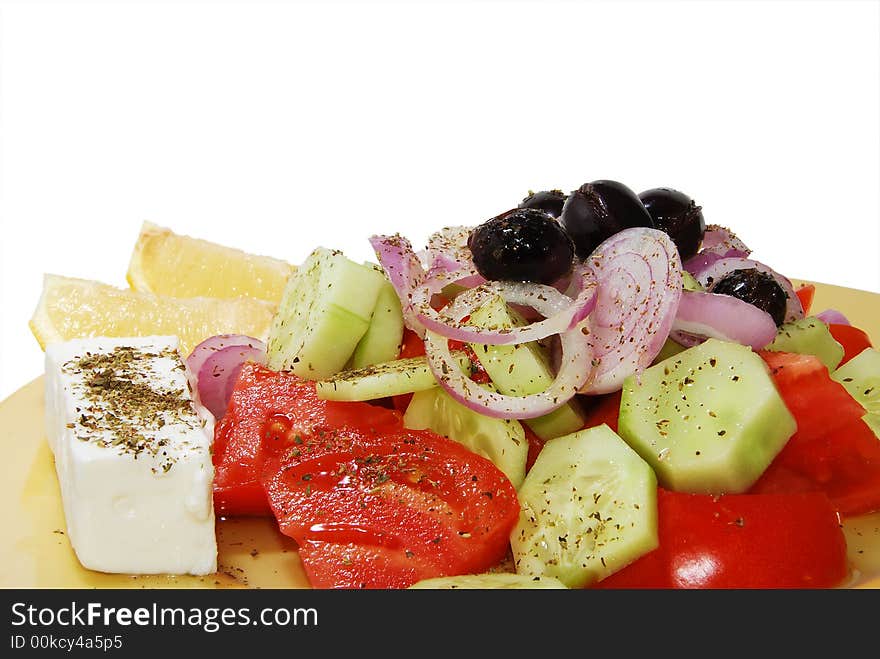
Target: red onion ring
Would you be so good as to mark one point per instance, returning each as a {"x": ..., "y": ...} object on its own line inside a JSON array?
[
  {"x": 703, "y": 315},
  {"x": 415, "y": 291},
  {"x": 793, "y": 308},
  {"x": 833, "y": 317},
  {"x": 721, "y": 240},
  {"x": 208, "y": 347},
  {"x": 218, "y": 373},
  {"x": 573, "y": 373},
  {"x": 718, "y": 243},
  {"x": 638, "y": 271}
]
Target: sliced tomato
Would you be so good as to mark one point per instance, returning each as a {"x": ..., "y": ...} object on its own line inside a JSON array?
[
  {"x": 833, "y": 450},
  {"x": 805, "y": 294},
  {"x": 851, "y": 338},
  {"x": 818, "y": 403},
  {"x": 602, "y": 409},
  {"x": 741, "y": 541},
  {"x": 412, "y": 345},
  {"x": 535, "y": 446},
  {"x": 386, "y": 509},
  {"x": 269, "y": 405}
]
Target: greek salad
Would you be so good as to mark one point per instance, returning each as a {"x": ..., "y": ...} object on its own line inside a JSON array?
[{"x": 594, "y": 389}]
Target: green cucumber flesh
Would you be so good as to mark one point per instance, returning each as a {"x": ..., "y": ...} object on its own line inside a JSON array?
[
  {"x": 381, "y": 343},
  {"x": 401, "y": 376},
  {"x": 588, "y": 508},
  {"x": 860, "y": 376},
  {"x": 708, "y": 420},
  {"x": 689, "y": 283},
  {"x": 503, "y": 441},
  {"x": 324, "y": 312},
  {"x": 809, "y": 336},
  {"x": 521, "y": 370},
  {"x": 487, "y": 581}
]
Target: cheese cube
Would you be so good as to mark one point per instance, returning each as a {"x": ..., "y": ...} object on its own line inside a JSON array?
[{"x": 133, "y": 456}]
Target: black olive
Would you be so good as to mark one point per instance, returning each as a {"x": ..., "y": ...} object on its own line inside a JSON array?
[
  {"x": 596, "y": 211},
  {"x": 679, "y": 216},
  {"x": 757, "y": 288},
  {"x": 522, "y": 244},
  {"x": 549, "y": 201}
]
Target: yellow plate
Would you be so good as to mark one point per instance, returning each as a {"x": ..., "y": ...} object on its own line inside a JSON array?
[{"x": 35, "y": 552}]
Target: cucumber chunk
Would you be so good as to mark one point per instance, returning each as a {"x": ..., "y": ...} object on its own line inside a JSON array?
[
  {"x": 324, "y": 312},
  {"x": 502, "y": 441},
  {"x": 689, "y": 283},
  {"x": 589, "y": 508},
  {"x": 709, "y": 420},
  {"x": 670, "y": 349},
  {"x": 809, "y": 336},
  {"x": 489, "y": 580},
  {"x": 401, "y": 376},
  {"x": 860, "y": 376},
  {"x": 381, "y": 343},
  {"x": 523, "y": 369}
]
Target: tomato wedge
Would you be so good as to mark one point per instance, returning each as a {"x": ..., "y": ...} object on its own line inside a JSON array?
[
  {"x": 833, "y": 450},
  {"x": 386, "y": 509},
  {"x": 603, "y": 409},
  {"x": 851, "y": 338},
  {"x": 805, "y": 294},
  {"x": 270, "y": 404},
  {"x": 741, "y": 541}
]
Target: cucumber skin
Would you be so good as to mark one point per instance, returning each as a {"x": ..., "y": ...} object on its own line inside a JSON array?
[
  {"x": 501, "y": 441},
  {"x": 521, "y": 370},
  {"x": 400, "y": 376},
  {"x": 575, "y": 463},
  {"x": 324, "y": 312},
  {"x": 686, "y": 447},
  {"x": 809, "y": 336},
  {"x": 381, "y": 342}
]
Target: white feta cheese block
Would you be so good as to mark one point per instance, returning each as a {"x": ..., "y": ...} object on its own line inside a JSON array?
[{"x": 133, "y": 455}]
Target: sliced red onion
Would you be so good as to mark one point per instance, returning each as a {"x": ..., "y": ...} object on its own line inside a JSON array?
[
  {"x": 217, "y": 375},
  {"x": 404, "y": 271},
  {"x": 793, "y": 309},
  {"x": 638, "y": 272},
  {"x": 704, "y": 315},
  {"x": 833, "y": 317},
  {"x": 686, "y": 339},
  {"x": 208, "y": 347},
  {"x": 574, "y": 371},
  {"x": 718, "y": 243},
  {"x": 721, "y": 240},
  {"x": 416, "y": 290}
]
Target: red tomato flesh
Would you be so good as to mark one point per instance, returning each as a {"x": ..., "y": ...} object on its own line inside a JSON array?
[
  {"x": 386, "y": 509},
  {"x": 805, "y": 294},
  {"x": 741, "y": 541},
  {"x": 269, "y": 404},
  {"x": 833, "y": 450},
  {"x": 851, "y": 338}
]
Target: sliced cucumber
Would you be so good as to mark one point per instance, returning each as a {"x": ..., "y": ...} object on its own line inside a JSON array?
[
  {"x": 489, "y": 580},
  {"x": 670, "y": 349},
  {"x": 381, "y": 343},
  {"x": 523, "y": 369},
  {"x": 709, "y": 420},
  {"x": 589, "y": 508},
  {"x": 503, "y": 441},
  {"x": 860, "y": 376},
  {"x": 809, "y": 336},
  {"x": 689, "y": 283},
  {"x": 324, "y": 312},
  {"x": 401, "y": 376}
]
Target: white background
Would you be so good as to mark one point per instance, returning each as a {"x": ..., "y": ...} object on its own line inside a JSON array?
[{"x": 279, "y": 127}]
